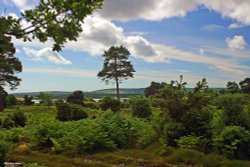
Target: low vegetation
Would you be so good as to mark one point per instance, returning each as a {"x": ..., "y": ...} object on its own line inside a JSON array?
[{"x": 171, "y": 126}]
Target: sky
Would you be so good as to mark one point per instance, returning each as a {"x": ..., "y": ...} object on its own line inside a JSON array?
[{"x": 166, "y": 38}]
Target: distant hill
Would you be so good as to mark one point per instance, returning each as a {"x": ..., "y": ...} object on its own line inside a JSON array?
[{"x": 125, "y": 92}]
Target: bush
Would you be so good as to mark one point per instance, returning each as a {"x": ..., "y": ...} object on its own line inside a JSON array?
[
  {"x": 76, "y": 98},
  {"x": 19, "y": 118},
  {"x": 233, "y": 110},
  {"x": 3, "y": 150},
  {"x": 110, "y": 103},
  {"x": 233, "y": 142},
  {"x": 11, "y": 100},
  {"x": 188, "y": 142},
  {"x": 140, "y": 106},
  {"x": 7, "y": 123},
  {"x": 172, "y": 131},
  {"x": 197, "y": 122},
  {"x": 77, "y": 113},
  {"x": 68, "y": 112}
]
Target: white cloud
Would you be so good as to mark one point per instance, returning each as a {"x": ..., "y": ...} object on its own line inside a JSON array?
[
  {"x": 236, "y": 25},
  {"x": 212, "y": 27},
  {"x": 99, "y": 34},
  {"x": 236, "y": 43},
  {"x": 235, "y": 9},
  {"x": 146, "y": 9},
  {"x": 22, "y": 4},
  {"x": 45, "y": 54},
  {"x": 163, "y": 9}
]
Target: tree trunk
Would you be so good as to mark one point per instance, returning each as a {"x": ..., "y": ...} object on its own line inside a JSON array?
[
  {"x": 117, "y": 81},
  {"x": 117, "y": 89}
]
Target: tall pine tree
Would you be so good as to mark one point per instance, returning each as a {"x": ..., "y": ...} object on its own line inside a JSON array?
[{"x": 116, "y": 67}]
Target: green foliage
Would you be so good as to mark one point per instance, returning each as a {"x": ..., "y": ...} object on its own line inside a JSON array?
[
  {"x": 28, "y": 100},
  {"x": 197, "y": 122},
  {"x": 110, "y": 103},
  {"x": 77, "y": 113},
  {"x": 153, "y": 89},
  {"x": 233, "y": 113},
  {"x": 11, "y": 100},
  {"x": 63, "y": 111},
  {"x": 68, "y": 112},
  {"x": 3, "y": 151},
  {"x": 116, "y": 66},
  {"x": 173, "y": 100},
  {"x": 7, "y": 123},
  {"x": 245, "y": 85},
  {"x": 90, "y": 103},
  {"x": 19, "y": 118},
  {"x": 46, "y": 99},
  {"x": 233, "y": 87},
  {"x": 188, "y": 142},
  {"x": 46, "y": 24},
  {"x": 142, "y": 133},
  {"x": 233, "y": 142},
  {"x": 172, "y": 132},
  {"x": 76, "y": 98},
  {"x": 140, "y": 106}
]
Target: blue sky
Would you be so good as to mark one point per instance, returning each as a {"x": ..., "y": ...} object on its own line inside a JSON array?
[{"x": 166, "y": 38}]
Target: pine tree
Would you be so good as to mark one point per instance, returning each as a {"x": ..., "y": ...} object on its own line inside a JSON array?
[{"x": 116, "y": 67}]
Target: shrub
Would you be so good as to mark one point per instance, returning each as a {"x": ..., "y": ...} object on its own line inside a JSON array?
[
  {"x": 63, "y": 111},
  {"x": 46, "y": 99},
  {"x": 188, "y": 141},
  {"x": 77, "y": 113},
  {"x": 7, "y": 123},
  {"x": 140, "y": 106},
  {"x": 233, "y": 142},
  {"x": 172, "y": 131},
  {"x": 28, "y": 100},
  {"x": 11, "y": 100},
  {"x": 197, "y": 122},
  {"x": 233, "y": 113},
  {"x": 68, "y": 112},
  {"x": 76, "y": 98},
  {"x": 110, "y": 103},
  {"x": 3, "y": 150},
  {"x": 19, "y": 118}
]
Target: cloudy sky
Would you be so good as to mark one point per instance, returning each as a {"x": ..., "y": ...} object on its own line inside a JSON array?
[{"x": 166, "y": 38}]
